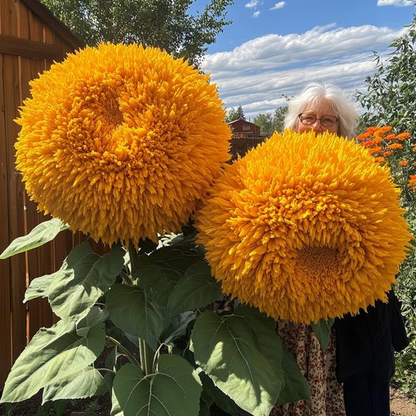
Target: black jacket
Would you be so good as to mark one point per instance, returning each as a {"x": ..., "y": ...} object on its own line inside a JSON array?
[{"x": 365, "y": 343}]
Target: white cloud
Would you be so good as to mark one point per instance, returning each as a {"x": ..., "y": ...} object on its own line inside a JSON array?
[
  {"x": 258, "y": 72},
  {"x": 252, "y": 4},
  {"x": 279, "y": 5},
  {"x": 256, "y": 14},
  {"x": 399, "y": 3}
]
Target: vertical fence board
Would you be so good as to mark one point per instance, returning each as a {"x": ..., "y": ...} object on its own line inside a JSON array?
[
  {"x": 16, "y": 213},
  {"x": 5, "y": 288}
]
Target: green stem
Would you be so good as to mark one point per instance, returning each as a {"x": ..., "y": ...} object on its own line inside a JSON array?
[
  {"x": 146, "y": 357},
  {"x": 129, "y": 355},
  {"x": 106, "y": 369}
]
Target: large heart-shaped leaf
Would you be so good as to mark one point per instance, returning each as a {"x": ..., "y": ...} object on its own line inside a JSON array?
[
  {"x": 80, "y": 283},
  {"x": 87, "y": 383},
  {"x": 196, "y": 289},
  {"x": 133, "y": 312},
  {"x": 158, "y": 281},
  {"x": 40, "y": 235},
  {"x": 173, "y": 391},
  {"x": 39, "y": 287},
  {"x": 296, "y": 387},
  {"x": 243, "y": 356},
  {"x": 51, "y": 355}
]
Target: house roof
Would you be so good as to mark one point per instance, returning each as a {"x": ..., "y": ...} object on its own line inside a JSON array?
[
  {"x": 44, "y": 14},
  {"x": 241, "y": 119}
]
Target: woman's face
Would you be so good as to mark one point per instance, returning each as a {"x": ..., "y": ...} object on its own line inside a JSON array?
[{"x": 320, "y": 109}]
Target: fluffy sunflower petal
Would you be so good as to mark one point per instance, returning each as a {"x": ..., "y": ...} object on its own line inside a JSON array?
[
  {"x": 121, "y": 141},
  {"x": 305, "y": 227}
]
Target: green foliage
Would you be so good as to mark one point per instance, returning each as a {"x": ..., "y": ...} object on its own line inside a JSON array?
[
  {"x": 390, "y": 97},
  {"x": 405, "y": 376},
  {"x": 167, "y": 24},
  {"x": 145, "y": 305},
  {"x": 173, "y": 390},
  {"x": 83, "y": 278},
  {"x": 87, "y": 383},
  {"x": 390, "y": 100},
  {"x": 270, "y": 123},
  {"x": 40, "y": 235},
  {"x": 235, "y": 114},
  {"x": 242, "y": 354},
  {"x": 52, "y": 355},
  {"x": 322, "y": 330}
]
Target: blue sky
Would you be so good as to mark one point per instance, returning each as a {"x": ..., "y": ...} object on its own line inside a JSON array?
[{"x": 275, "y": 48}]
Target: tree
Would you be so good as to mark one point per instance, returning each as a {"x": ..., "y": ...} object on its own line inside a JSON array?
[
  {"x": 265, "y": 122},
  {"x": 234, "y": 114},
  {"x": 166, "y": 24},
  {"x": 240, "y": 113},
  {"x": 390, "y": 98},
  {"x": 269, "y": 123}
]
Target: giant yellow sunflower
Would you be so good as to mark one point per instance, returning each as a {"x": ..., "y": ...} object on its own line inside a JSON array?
[
  {"x": 121, "y": 141},
  {"x": 305, "y": 227}
]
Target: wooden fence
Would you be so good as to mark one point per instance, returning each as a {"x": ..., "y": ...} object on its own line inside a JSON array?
[{"x": 30, "y": 39}]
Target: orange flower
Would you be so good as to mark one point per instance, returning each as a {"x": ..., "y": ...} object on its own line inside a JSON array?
[
  {"x": 385, "y": 129},
  {"x": 304, "y": 227},
  {"x": 378, "y": 140},
  {"x": 368, "y": 143},
  {"x": 387, "y": 154},
  {"x": 375, "y": 150},
  {"x": 379, "y": 159},
  {"x": 395, "y": 146},
  {"x": 403, "y": 136},
  {"x": 390, "y": 137},
  {"x": 403, "y": 163},
  {"x": 121, "y": 142},
  {"x": 361, "y": 137}
]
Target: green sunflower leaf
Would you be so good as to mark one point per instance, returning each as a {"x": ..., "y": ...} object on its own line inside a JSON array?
[
  {"x": 40, "y": 235},
  {"x": 212, "y": 394},
  {"x": 135, "y": 313},
  {"x": 196, "y": 289},
  {"x": 158, "y": 281},
  {"x": 296, "y": 387},
  {"x": 82, "y": 281},
  {"x": 86, "y": 383},
  {"x": 322, "y": 331},
  {"x": 174, "y": 390},
  {"x": 242, "y": 354},
  {"x": 52, "y": 354},
  {"x": 39, "y": 287}
]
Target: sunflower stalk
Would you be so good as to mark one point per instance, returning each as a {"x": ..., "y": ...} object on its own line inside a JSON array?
[
  {"x": 146, "y": 357},
  {"x": 125, "y": 351}
]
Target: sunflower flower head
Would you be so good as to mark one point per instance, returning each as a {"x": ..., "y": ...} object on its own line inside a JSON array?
[
  {"x": 121, "y": 141},
  {"x": 305, "y": 227}
]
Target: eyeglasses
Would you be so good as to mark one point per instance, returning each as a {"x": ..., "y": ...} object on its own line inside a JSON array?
[{"x": 310, "y": 119}]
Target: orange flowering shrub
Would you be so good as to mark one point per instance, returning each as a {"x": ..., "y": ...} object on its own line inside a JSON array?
[{"x": 394, "y": 150}]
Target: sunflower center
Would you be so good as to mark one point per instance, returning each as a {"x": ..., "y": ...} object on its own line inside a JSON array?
[
  {"x": 319, "y": 264},
  {"x": 110, "y": 110}
]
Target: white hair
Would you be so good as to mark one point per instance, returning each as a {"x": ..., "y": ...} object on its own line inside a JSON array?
[{"x": 313, "y": 94}]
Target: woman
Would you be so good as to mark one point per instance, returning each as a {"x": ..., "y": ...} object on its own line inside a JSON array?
[{"x": 354, "y": 358}]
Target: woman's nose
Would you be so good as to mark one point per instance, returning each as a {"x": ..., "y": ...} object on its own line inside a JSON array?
[{"x": 317, "y": 126}]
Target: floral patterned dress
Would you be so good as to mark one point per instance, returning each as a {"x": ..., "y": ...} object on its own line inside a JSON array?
[{"x": 318, "y": 366}]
